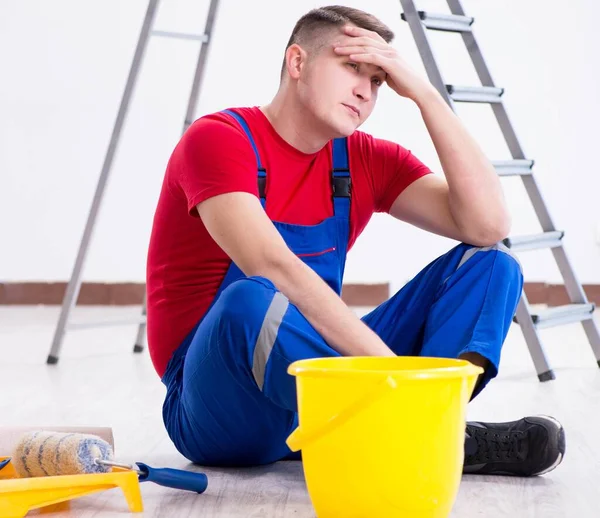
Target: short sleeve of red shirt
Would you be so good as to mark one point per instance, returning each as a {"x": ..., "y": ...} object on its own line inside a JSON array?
[
  {"x": 393, "y": 168},
  {"x": 215, "y": 158}
]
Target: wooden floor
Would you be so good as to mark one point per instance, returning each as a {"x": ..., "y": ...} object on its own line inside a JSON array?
[{"x": 100, "y": 382}]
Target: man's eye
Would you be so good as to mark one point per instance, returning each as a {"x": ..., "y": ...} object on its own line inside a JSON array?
[
  {"x": 377, "y": 81},
  {"x": 353, "y": 65}
]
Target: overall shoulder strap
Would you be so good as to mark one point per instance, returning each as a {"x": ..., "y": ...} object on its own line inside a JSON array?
[{"x": 262, "y": 173}]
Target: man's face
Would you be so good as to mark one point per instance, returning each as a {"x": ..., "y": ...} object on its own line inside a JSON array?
[{"x": 339, "y": 93}]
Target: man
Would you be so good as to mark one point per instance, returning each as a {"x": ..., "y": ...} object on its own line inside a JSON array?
[{"x": 258, "y": 209}]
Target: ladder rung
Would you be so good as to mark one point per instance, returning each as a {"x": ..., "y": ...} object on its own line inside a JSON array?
[
  {"x": 475, "y": 94},
  {"x": 563, "y": 315},
  {"x": 108, "y": 323},
  {"x": 445, "y": 22},
  {"x": 180, "y": 35},
  {"x": 520, "y": 167},
  {"x": 535, "y": 241}
]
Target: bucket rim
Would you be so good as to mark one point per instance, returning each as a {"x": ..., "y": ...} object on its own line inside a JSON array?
[{"x": 454, "y": 368}]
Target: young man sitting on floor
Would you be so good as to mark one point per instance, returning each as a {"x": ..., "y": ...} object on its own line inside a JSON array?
[{"x": 258, "y": 210}]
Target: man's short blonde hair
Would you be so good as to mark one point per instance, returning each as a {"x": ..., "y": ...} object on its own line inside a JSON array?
[{"x": 311, "y": 30}]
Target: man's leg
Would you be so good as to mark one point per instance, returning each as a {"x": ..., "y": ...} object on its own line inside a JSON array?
[
  {"x": 461, "y": 306},
  {"x": 230, "y": 400}
]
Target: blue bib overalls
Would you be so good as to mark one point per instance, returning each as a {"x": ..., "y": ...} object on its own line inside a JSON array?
[{"x": 229, "y": 398}]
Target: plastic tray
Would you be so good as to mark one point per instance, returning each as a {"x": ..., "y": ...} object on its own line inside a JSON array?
[{"x": 18, "y": 496}]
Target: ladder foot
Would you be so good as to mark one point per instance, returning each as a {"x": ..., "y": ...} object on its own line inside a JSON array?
[
  {"x": 547, "y": 376},
  {"x": 52, "y": 360},
  {"x": 138, "y": 348}
]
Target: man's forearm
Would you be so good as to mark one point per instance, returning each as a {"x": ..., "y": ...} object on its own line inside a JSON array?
[
  {"x": 323, "y": 308},
  {"x": 475, "y": 193}
]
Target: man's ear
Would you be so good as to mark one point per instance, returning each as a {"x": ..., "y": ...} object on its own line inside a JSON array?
[{"x": 295, "y": 59}]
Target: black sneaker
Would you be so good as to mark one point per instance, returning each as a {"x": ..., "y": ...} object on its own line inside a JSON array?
[{"x": 525, "y": 448}]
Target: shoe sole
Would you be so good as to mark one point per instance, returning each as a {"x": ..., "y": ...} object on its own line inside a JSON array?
[{"x": 561, "y": 440}]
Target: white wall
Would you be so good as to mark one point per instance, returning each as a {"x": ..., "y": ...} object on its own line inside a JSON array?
[{"x": 64, "y": 65}]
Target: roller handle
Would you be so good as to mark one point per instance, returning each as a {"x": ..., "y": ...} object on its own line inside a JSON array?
[{"x": 175, "y": 478}]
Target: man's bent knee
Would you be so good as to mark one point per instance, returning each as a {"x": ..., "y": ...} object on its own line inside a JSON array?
[
  {"x": 502, "y": 253},
  {"x": 241, "y": 295}
]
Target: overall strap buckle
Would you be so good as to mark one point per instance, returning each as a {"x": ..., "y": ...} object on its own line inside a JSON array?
[{"x": 341, "y": 181}]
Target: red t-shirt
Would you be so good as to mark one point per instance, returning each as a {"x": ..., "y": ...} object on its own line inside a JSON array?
[{"x": 185, "y": 266}]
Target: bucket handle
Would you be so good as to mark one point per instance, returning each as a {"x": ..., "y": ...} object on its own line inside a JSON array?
[{"x": 299, "y": 438}]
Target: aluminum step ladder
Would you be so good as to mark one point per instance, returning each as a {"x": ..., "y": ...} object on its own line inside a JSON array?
[
  {"x": 580, "y": 309},
  {"x": 74, "y": 286}
]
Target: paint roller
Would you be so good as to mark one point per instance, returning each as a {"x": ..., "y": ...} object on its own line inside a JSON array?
[{"x": 49, "y": 453}]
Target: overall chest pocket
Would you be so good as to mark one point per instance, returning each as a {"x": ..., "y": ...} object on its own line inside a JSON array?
[{"x": 314, "y": 244}]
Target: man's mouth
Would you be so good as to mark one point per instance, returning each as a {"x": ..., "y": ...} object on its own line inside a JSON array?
[{"x": 353, "y": 109}]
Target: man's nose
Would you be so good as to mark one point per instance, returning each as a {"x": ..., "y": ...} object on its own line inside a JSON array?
[{"x": 362, "y": 89}]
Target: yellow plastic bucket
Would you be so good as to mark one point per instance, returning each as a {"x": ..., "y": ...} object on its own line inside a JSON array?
[{"x": 382, "y": 437}]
